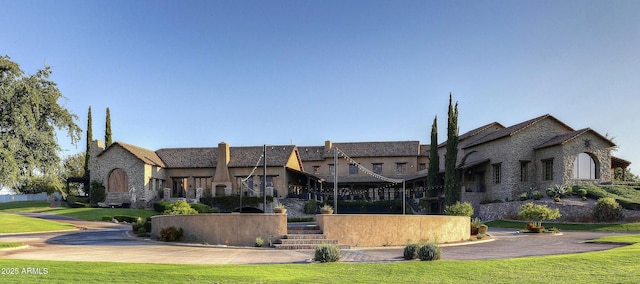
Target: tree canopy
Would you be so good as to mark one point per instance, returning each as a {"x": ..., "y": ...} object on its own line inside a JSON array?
[
  {"x": 450, "y": 179},
  {"x": 434, "y": 160},
  {"x": 29, "y": 116}
]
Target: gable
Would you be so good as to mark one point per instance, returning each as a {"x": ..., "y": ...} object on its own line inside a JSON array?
[{"x": 146, "y": 156}]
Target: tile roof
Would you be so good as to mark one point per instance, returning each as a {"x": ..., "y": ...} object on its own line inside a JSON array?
[
  {"x": 189, "y": 157},
  {"x": 511, "y": 130},
  {"x": 145, "y": 155},
  {"x": 311, "y": 153},
  {"x": 377, "y": 149},
  {"x": 208, "y": 157},
  {"x": 474, "y": 132},
  {"x": 564, "y": 138}
]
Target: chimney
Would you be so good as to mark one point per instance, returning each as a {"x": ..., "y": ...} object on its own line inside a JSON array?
[
  {"x": 328, "y": 145},
  {"x": 222, "y": 179}
]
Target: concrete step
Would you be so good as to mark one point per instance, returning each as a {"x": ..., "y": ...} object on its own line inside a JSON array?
[
  {"x": 303, "y": 246},
  {"x": 307, "y": 241},
  {"x": 303, "y": 232},
  {"x": 306, "y": 237}
]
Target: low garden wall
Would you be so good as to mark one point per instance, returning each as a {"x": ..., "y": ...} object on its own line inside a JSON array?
[
  {"x": 570, "y": 210},
  {"x": 393, "y": 230},
  {"x": 224, "y": 229}
]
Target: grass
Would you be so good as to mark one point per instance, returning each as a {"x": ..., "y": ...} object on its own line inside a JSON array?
[
  {"x": 617, "y": 265},
  {"x": 568, "y": 226},
  {"x": 88, "y": 214},
  {"x": 11, "y": 223},
  {"x": 4, "y": 245}
]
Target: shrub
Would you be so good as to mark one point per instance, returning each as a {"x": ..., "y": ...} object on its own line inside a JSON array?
[
  {"x": 171, "y": 234},
  {"x": 538, "y": 213},
  {"x": 259, "y": 242},
  {"x": 231, "y": 202},
  {"x": 327, "y": 253},
  {"x": 523, "y": 196},
  {"x": 180, "y": 207},
  {"x": 106, "y": 218},
  {"x": 410, "y": 252},
  {"x": 475, "y": 224},
  {"x": 582, "y": 192},
  {"x": 483, "y": 229},
  {"x": 142, "y": 223},
  {"x": 310, "y": 207},
  {"x": 459, "y": 209},
  {"x": 537, "y": 195},
  {"x": 161, "y": 206},
  {"x": 559, "y": 190},
  {"x": 480, "y": 236},
  {"x": 97, "y": 192},
  {"x": 201, "y": 208},
  {"x": 429, "y": 251},
  {"x": 607, "y": 209}
]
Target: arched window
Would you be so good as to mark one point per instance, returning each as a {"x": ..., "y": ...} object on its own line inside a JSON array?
[
  {"x": 118, "y": 181},
  {"x": 584, "y": 167}
]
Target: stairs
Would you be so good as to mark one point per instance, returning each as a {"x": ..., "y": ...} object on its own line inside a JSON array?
[{"x": 304, "y": 236}]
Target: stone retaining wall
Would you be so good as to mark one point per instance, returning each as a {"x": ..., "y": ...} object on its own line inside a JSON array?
[{"x": 571, "y": 210}]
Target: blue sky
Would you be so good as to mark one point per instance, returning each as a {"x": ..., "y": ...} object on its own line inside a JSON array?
[{"x": 195, "y": 73}]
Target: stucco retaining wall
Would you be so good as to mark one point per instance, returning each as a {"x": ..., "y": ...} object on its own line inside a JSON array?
[
  {"x": 224, "y": 229},
  {"x": 393, "y": 230}
]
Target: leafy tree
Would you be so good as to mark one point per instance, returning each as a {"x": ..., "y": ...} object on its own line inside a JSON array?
[
  {"x": 538, "y": 213},
  {"x": 434, "y": 160},
  {"x": 620, "y": 174},
  {"x": 72, "y": 166},
  {"x": 87, "y": 154},
  {"x": 450, "y": 178},
  {"x": 107, "y": 130},
  {"x": 29, "y": 117}
]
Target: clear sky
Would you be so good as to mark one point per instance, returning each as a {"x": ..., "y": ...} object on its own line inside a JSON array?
[{"x": 195, "y": 73}]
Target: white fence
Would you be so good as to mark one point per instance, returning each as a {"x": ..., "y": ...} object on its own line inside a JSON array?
[{"x": 23, "y": 197}]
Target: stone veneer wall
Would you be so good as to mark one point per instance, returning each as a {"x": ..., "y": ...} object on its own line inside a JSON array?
[
  {"x": 224, "y": 229},
  {"x": 571, "y": 211},
  {"x": 393, "y": 230}
]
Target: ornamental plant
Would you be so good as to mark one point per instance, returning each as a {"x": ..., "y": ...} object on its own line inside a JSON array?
[
  {"x": 180, "y": 207},
  {"x": 410, "y": 252},
  {"x": 429, "y": 251},
  {"x": 459, "y": 209},
  {"x": 538, "y": 213},
  {"x": 327, "y": 253},
  {"x": 607, "y": 209}
]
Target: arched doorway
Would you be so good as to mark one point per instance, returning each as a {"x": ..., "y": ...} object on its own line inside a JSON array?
[
  {"x": 118, "y": 181},
  {"x": 585, "y": 167}
]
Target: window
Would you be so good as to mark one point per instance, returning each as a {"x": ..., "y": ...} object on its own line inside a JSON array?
[
  {"x": 331, "y": 169},
  {"x": 316, "y": 170},
  {"x": 401, "y": 168},
  {"x": 377, "y": 168},
  {"x": 353, "y": 169},
  {"x": 547, "y": 169},
  {"x": 203, "y": 182},
  {"x": 269, "y": 181},
  {"x": 422, "y": 167},
  {"x": 584, "y": 167},
  {"x": 524, "y": 171},
  {"x": 497, "y": 172}
]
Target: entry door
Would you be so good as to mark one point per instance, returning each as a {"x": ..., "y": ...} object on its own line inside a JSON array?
[{"x": 179, "y": 187}]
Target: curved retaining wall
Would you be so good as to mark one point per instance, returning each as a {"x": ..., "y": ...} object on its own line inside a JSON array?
[
  {"x": 393, "y": 230},
  {"x": 224, "y": 229}
]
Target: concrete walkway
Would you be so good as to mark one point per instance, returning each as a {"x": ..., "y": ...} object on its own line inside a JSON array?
[{"x": 108, "y": 242}]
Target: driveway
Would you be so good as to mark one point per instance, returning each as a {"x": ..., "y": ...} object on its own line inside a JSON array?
[{"x": 103, "y": 241}]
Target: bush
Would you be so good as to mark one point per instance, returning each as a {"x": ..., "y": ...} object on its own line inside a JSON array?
[
  {"x": 475, "y": 225},
  {"x": 232, "y": 202},
  {"x": 310, "y": 207},
  {"x": 607, "y": 209},
  {"x": 483, "y": 229},
  {"x": 98, "y": 193},
  {"x": 410, "y": 252},
  {"x": 523, "y": 196},
  {"x": 459, "y": 209},
  {"x": 429, "y": 251},
  {"x": 582, "y": 192},
  {"x": 327, "y": 253},
  {"x": 142, "y": 223},
  {"x": 180, "y": 207},
  {"x": 201, "y": 208},
  {"x": 538, "y": 213},
  {"x": 259, "y": 242},
  {"x": 162, "y": 206},
  {"x": 537, "y": 195},
  {"x": 480, "y": 236},
  {"x": 559, "y": 190},
  {"x": 106, "y": 218},
  {"x": 171, "y": 234}
]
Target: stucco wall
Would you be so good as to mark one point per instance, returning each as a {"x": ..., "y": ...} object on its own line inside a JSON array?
[
  {"x": 224, "y": 229},
  {"x": 393, "y": 230}
]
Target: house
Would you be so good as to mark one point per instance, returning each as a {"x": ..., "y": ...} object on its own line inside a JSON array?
[
  {"x": 499, "y": 163},
  {"x": 138, "y": 177},
  {"x": 494, "y": 163}
]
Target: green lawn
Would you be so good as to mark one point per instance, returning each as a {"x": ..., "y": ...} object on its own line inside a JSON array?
[
  {"x": 11, "y": 223},
  {"x": 572, "y": 226},
  {"x": 619, "y": 265},
  {"x": 88, "y": 214}
]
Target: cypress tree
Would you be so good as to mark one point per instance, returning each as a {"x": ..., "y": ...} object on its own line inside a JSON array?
[
  {"x": 107, "y": 130},
  {"x": 450, "y": 178},
  {"x": 434, "y": 161},
  {"x": 87, "y": 154}
]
